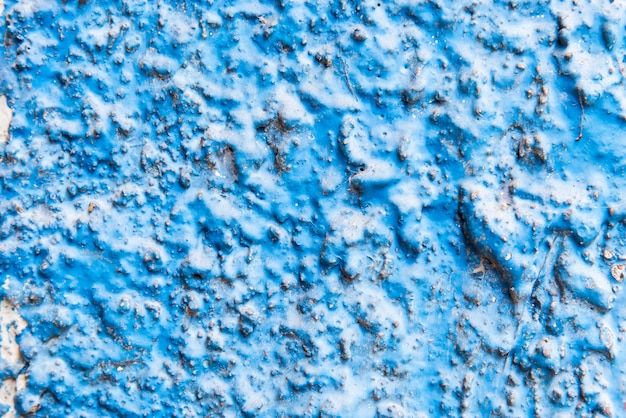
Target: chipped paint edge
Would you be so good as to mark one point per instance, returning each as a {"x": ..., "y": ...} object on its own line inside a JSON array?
[{"x": 11, "y": 325}]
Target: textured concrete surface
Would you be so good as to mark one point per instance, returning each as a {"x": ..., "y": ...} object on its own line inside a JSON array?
[{"x": 292, "y": 208}]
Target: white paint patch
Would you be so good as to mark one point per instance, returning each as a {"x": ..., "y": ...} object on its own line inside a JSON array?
[
  {"x": 5, "y": 111},
  {"x": 11, "y": 325}
]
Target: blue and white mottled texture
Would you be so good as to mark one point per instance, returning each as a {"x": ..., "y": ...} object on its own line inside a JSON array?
[{"x": 313, "y": 208}]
